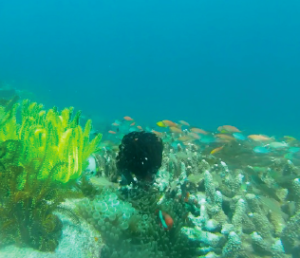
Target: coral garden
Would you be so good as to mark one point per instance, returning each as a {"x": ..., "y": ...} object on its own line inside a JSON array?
[{"x": 187, "y": 192}]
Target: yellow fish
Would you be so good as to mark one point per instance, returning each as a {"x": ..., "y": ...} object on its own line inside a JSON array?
[
  {"x": 161, "y": 124},
  {"x": 289, "y": 139},
  {"x": 216, "y": 150}
]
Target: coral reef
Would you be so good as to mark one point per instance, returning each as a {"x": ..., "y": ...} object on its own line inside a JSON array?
[
  {"x": 130, "y": 226},
  {"x": 236, "y": 204},
  {"x": 221, "y": 196},
  {"x": 243, "y": 212}
]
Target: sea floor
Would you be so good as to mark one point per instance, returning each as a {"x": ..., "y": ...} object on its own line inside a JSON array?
[{"x": 77, "y": 241}]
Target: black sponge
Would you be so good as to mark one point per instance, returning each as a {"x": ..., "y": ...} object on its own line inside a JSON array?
[{"x": 140, "y": 153}]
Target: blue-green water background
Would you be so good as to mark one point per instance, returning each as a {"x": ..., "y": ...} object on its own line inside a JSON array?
[{"x": 207, "y": 62}]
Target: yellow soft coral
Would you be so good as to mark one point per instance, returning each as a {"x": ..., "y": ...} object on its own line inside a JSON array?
[{"x": 51, "y": 136}]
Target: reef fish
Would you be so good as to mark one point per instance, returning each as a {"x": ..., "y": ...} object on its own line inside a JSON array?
[
  {"x": 198, "y": 130},
  {"x": 166, "y": 123},
  {"x": 225, "y": 137},
  {"x": 261, "y": 150},
  {"x": 182, "y": 122},
  {"x": 175, "y": 129},
  {"x": 228, "y": 129},
  {"x": 128, "y": 118},
  {"x": 216, "y": 150},
  {"x": 165, "y": 219},
  {"x": 239, "y": 136},
  {"x": 277, "y": 145},
  {"x": 259, "y": 138}
]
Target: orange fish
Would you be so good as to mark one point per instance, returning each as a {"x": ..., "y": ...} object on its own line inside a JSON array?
[
  {"x": 259, "y": 138},
  {"x": 184, "y": 123},
  {"x": 128, "y": 118},
  {"x": 195, "y": 136},
  {"x": 166, "y": 220},
  {"x": 112, "y": 132},
  {"x": 169, "y": 123},
  {"x": 186, "y": 199},
  {"x": 185, "y": 138},
  {"x": 216, "y": 150},
  {"x": 115, "y": 124},
  {"x": 228, "y": 129},
  {"x": 175, "y": 129},
  {"x": 159, "y": 134},
  {"x": 132, "y": 124},
  {"x": 198, "y": 130},
  {"x": 140, "y": 128},
  {"x": 225, "y": 137}
]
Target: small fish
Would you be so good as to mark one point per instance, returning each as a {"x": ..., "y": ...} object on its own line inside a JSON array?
[
  {"x": 127, "y": 118},
  {"x": 184, "y": 123},
  {"x": 175, "y": 129},
  {"x": 92, "y": 167},
  {"x": 216, "y": 150},
  {"x": 102, "y": 182},
  {"x": 139, "y": 127},
  {"x": 261, "y": 150},
  {"x": 112, "y": 132},
  {"x": 132, "y": 124},
  {"x": 161, "y": 124},
  {"x": 165, "y": 220},
  {"x": 239, "y": 136},
  {"x": 277, "y": 145},
  {"x": 289, "y": 139},
  {"x": 186, "y": 138},
  {"x": 259, "y": 138},
  {"x": 225, "y": 137},
  {"x": 159, "y": 134},
  {"x": 228, "y": 129},
  {"x": 187, "y": 197},
  {"x": 168, "y": 123},
  {"x": 195, "y": 136},
  {"x": 198, "y": 130}
]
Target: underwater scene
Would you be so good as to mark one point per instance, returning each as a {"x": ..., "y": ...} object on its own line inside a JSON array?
[
  {"x": 168, "y": 190},
  {"x": 149, "y": 129}
]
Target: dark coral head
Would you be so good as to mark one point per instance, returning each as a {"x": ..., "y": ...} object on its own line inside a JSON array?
[{"x": 140, "y": 153}]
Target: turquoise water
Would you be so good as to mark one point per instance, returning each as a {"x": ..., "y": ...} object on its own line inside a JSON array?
[{"x": 207, "y": 62}]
